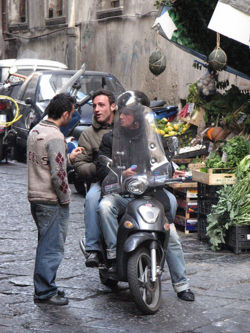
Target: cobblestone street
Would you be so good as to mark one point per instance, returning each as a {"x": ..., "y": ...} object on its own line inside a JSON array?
[{"x": 220, "y": 281}]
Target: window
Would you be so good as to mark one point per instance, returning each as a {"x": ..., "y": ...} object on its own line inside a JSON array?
[
  {"x": 55, "y": 12},
  {"x": 17, "y": 12},
  {"x": 54, "y": 8},
  {"x": 109, "y": 8}
]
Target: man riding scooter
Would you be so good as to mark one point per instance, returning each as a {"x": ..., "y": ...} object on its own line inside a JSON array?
[{"x": 114, "y": 204}]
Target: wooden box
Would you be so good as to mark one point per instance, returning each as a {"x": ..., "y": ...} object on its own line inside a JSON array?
[
  {"x": 214, "y": 177},
  {"x": 196, "y": 166}
]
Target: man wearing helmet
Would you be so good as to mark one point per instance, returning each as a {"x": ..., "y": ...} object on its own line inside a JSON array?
[{"x": 111, "y": 206}]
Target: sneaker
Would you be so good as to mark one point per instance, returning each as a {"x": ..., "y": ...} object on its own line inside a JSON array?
[
  {"x": 92, "y": 259},
  {"x": 56, "y": 299},
  {"x": 186, "y": 295}
]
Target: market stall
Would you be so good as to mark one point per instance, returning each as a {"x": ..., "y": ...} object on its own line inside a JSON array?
[{"x": 214, "y": 148}]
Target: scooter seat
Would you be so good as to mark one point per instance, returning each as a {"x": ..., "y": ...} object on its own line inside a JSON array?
[{"x": 157, "y": 103}]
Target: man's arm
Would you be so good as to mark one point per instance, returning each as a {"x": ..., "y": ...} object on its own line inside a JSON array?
[
  {"x": 58, "y": 168},
  {"x": 106, "y": 150},
  {"x": 84, "y": 162}
]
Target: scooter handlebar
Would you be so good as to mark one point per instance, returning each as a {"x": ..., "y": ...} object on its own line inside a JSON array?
[
  {"x": 85, "y": 99},
  {"x": 175, "y": 180}
]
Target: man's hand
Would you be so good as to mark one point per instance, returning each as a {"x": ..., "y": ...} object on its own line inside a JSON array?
[
  {"x": 179, "y": 173},
  {"x": 128, "y": 173},
  {"x": 77, "y": 151}
]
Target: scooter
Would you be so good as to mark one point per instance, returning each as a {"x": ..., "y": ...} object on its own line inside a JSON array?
[
  {"x": 142, "y": 241},
  {"x": 143, "y": 229},
  {"x": 9, "y": 113}
]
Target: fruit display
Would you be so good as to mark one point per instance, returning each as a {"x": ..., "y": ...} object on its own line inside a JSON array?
[
  {"x": 166, "y": 128},
  {"x": 185, "y": 132}
]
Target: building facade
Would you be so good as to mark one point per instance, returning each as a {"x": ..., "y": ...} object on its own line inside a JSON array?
[{"x": 108, "y": 35}]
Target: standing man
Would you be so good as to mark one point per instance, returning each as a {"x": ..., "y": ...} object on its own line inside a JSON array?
[
  {"x": 49, "y": 195},
  {"x": 85, "y": 167}
]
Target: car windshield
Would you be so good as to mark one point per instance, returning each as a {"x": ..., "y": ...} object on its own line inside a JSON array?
[{"x": 52, "y": 82}]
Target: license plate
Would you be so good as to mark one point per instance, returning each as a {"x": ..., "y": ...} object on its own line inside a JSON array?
[{"x": 3, "y": 119}]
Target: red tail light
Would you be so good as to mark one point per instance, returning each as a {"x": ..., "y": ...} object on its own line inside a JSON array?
[{"x": 3, "y": 105}]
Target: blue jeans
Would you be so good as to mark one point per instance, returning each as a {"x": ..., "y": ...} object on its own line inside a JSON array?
[
  {"x": 52, "y": 225},
  {"x": 111, "y": 206},
  {"x": 91, "y": 218},
  {"x": 174, "y": 255}
]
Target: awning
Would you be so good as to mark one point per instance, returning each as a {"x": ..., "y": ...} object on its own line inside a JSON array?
[{"x": 231, "y": 18}]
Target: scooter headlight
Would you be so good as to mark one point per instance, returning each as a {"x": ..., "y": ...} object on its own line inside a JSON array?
[
  {"x": 137, "y": 185},
  {"x": 149, "y": 213}
]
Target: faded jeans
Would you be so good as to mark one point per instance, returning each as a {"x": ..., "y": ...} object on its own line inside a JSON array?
[
  {"x": 52, "y": 225},
  {"x": 111, "y": 206},
  {"x": 91, "y": 218}
]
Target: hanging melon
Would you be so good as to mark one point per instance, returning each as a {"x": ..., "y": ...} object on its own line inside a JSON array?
[
  {"x": 217, "y": 59},
  {"x": 157, "y": 62}
]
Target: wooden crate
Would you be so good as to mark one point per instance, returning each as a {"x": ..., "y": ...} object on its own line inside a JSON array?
[
  {"x": 196, "y": 166},
  {"x": 213, "y": 178}
]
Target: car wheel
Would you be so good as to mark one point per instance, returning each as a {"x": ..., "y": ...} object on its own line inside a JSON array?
[{"x": 19, "y": 154}]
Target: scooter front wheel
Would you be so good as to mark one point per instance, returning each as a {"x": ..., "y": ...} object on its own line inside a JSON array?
[{"x": 146, "y": 293}]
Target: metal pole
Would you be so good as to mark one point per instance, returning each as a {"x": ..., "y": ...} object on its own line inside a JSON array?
[{"x": 72, "y": 36}]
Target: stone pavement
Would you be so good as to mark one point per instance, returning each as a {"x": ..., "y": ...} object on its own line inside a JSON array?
[{"x": 221, "y": 281}]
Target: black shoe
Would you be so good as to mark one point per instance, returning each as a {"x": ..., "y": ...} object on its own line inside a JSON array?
[
  {"x": 186, "y": 295},
  {"x": 92, "y": 260},
  {"x": 112, "y": 266},
  {"x": 56, "y": 299}
]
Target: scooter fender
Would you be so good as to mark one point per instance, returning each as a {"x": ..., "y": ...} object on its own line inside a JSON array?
[{"x": 137, "y": 239}]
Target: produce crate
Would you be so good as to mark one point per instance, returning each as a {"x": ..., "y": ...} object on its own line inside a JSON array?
[
  {"x": 202, "y": 228},
  {"x": 238, "y": 238},
  {"x": 214, "y": 177},
  {"x": 205, "y": 205},
  {"x": 198, "y": 150},
  {"x": 208, "y": 191},
  {"x": 189, "y": 224},
  {"x": 196, "y": 166}
]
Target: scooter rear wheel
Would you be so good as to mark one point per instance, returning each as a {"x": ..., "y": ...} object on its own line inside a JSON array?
[{"x": 146, "y": 293}]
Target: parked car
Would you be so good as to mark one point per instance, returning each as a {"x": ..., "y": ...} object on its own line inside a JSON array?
[
  {"x": 39, "y": 88},
  {"x": 26, "y": 66}
]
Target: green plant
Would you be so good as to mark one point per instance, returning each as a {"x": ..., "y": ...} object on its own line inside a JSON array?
[
  {"x": 159, "y": 3},
  {"x": 221, "y": 105},
  {"x": 233, "y": 207},
  {"x": 191, "y": 18}
]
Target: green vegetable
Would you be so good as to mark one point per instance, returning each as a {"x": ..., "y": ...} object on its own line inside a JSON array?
[
  {"x": 222, "y": 106},
  {"x": 182, "y": 167},
  {"x": 243, "y": 169},
  {"x": 233, "y": 207},
  {"x": 235, "y": 149}
]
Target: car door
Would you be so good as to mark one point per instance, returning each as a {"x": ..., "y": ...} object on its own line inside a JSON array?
[{"x": 22, "y": 127}]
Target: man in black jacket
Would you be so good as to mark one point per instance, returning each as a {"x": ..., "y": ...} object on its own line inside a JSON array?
[{"x": 112, "y": 205}]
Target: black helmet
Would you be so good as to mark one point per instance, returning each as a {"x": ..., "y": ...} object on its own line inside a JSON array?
[{"x": 132, "y": 97}]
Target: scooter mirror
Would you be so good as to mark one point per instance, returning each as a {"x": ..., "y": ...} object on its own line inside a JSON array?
[
  {"x": 28, "y": 101},
  {"x": 105, "y": 160}
]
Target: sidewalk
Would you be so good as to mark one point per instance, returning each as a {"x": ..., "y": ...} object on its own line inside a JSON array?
[{"x": 220, "y": 281}]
